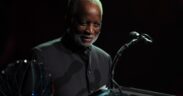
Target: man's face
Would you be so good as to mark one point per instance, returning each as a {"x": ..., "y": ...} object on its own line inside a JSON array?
[{"x": 87, "y": 24}]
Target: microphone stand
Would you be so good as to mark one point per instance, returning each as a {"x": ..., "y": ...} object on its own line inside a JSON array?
[
  {"x": 137, "y": 37},
  {"x": 115, "y": 60}
]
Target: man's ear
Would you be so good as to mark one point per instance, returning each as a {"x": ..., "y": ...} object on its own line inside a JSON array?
[
  {"x": 67, "y": 16},
  {"x": 68, "y": 22}
]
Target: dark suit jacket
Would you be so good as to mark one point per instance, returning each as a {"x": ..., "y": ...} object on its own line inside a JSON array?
[{"x": 74, "y": 71}]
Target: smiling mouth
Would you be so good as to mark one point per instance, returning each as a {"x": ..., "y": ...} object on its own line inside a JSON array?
[{"x": 86, "y": 39}]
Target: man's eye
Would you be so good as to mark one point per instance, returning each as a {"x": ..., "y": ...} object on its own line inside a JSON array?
[
  {"x": 83, "y": 23},
  {"x": 97, "y": 24}
]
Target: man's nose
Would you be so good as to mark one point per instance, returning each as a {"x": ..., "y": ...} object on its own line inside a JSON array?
[{"x": 90, "y": 29}]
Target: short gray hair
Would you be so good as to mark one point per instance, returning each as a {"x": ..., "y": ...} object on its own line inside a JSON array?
[{"x": 73, "y": 4}]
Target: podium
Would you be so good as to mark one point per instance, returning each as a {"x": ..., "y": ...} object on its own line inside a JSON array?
[{"x": 129, "y": 91}]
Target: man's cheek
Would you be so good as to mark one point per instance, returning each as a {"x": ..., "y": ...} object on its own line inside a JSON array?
[
  {"x": 97, "y": 33},
  {"x": 78, "y": 30}
]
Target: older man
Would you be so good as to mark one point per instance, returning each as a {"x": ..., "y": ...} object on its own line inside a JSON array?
[{"x": 77, "y": 67}]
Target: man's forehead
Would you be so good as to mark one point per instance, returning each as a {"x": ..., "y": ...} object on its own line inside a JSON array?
[
  {"x": 84, "y": 4},
  {"x": 88, "y": 7}
]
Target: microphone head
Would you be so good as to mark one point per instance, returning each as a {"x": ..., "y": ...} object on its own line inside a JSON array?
[
  {"x": 147, "y": 38},
  {"x": 134, "y": 34},
  {"x": 138, "y": 36}
]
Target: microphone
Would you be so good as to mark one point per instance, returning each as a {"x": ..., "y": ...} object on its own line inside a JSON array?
[
  {"x": 136, "y": 38},
  {"x": 143, "y": 36}
]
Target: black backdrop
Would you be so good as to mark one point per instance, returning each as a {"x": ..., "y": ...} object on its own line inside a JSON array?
[{"x": 155, "y": 67}]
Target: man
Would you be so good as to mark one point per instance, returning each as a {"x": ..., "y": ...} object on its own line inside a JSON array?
[{"x": 76, "y": 66}]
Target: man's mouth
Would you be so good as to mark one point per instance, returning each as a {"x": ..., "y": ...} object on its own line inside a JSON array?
[{"x": 86, "y": 39}]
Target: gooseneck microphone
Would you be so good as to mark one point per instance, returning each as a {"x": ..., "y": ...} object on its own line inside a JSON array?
[
  {"x": 136, "y": 38},
  {"x": 143, "y": 36}
]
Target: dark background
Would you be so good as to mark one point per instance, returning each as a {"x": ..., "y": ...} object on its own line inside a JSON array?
[{"x": 155, "y": 67}]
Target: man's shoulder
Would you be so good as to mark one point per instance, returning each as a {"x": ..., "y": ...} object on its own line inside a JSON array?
[
  {"x": 100, "y": 51},
  {"x": 47, "y": 44}
]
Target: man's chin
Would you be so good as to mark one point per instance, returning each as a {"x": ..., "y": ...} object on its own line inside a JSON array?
[{"x": 86, "y": 44}]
